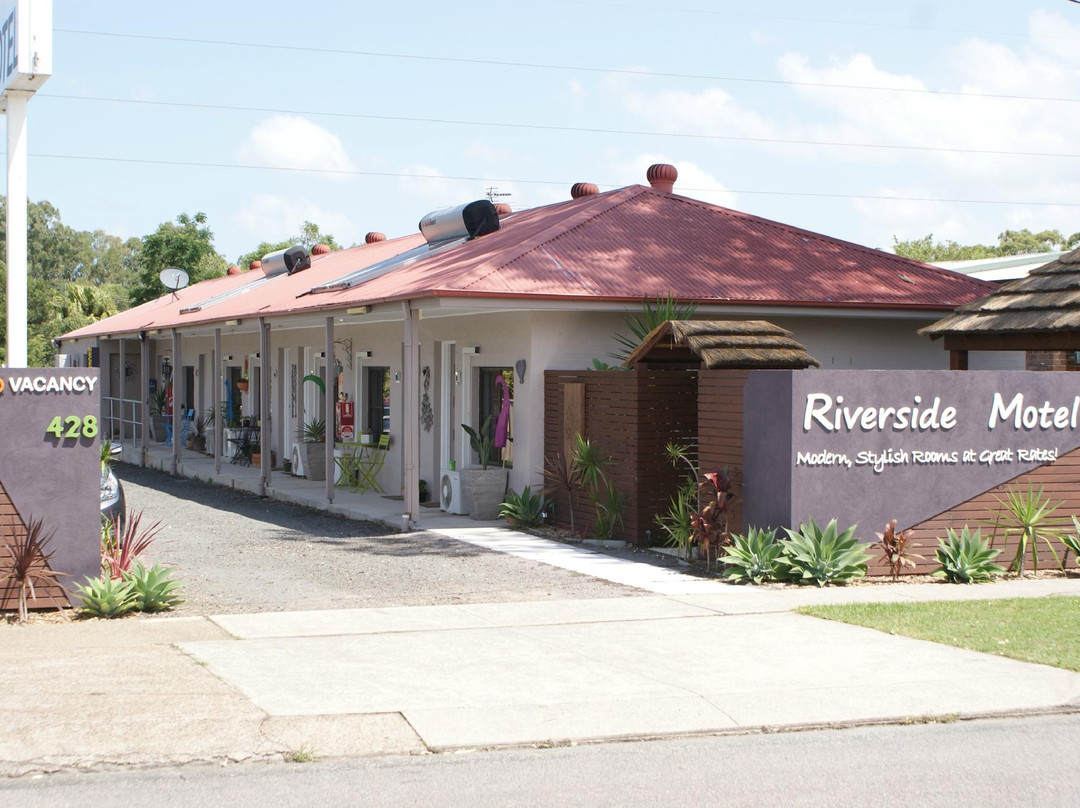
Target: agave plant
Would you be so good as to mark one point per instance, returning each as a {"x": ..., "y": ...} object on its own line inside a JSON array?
[
  {"x": 823, "y": 555},
  {"x": 754, "y": 558},
  {"x": 1030, "y": 516},
  {"x": 106, "y": 597},
  {"x": 153, "y": 589},
  {"x": 28, "y": 563},
  {"x": 125, "y": 541},
  {"x": 523, "y": 510},
  {"x": 1072, "y": 543},
  {"x": 966, "y": 558}
]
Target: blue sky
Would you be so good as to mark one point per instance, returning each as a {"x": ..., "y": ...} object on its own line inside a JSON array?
[{"x": 235, "y": 130}]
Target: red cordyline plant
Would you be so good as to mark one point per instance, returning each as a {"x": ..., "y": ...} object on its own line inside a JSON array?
[
  {"x": 28, "y": 563},
  {"x": 893, "y": 546},
  {"x": 713, "y": 495},
  {"x": 123, "y": 541}
]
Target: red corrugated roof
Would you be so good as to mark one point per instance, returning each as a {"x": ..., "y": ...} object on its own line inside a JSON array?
[{"x": 618, "y": 246}]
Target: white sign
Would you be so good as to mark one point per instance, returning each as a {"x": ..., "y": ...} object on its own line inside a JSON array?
[{"x": 25, "y": 44}]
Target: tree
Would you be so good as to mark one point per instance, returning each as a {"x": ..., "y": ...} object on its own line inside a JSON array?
[
  {"x": 188, "y": 244},
  {"x": 310, "y": 235},
  {"x": 1010, "y": 242}
]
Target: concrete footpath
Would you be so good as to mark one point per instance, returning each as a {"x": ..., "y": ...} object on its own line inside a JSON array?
[{"x": 697, "y": 656}]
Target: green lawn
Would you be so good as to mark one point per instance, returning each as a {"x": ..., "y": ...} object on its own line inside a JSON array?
[{"x": 1044, "y": 630}]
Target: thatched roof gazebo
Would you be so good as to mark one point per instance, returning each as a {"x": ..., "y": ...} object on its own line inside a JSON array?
[
  {"x": 1040, "y": 312},
  {"x": 716, "y": 344}
]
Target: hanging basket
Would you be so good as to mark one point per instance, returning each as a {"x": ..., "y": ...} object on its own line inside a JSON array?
[{"x": 242, "y": 387}]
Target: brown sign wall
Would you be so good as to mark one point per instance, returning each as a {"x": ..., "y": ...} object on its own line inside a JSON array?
[
  {"x": 841, "y": 444},
  {"x": 50, "y": 466}
]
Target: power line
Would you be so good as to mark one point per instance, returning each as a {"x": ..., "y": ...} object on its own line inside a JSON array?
[
  {"x": 820, "y": 20},
  {"x": 552, "y": 66},
  {"x": 488, "y": 180},
  {"x": 555, "y": 128}
]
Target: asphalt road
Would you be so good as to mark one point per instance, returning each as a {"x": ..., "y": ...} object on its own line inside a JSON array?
[
  {"x": 236, "y": 553},
  {"x": 977, "y": 764}
]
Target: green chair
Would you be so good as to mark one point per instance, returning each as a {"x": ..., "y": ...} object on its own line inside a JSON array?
[{"x": 371, "y": 464}]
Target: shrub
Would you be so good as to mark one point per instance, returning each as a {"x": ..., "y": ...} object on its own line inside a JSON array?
[
  {"x": 27, "y": 562},
  {"x": 894, "y": 551},
  {"x": 966, "y": 558},
  {"x": 678, "y": 523},
  {"x": 703, "y": 498},
  {"x": 753, "y": 558},
  {"x": 824, "y": 556},
  {"x": 125, "y": 541},
  {"x": 106, "y": 596},
  {"x": 1031, "y": 515},
  {"x": 590, "y": 469},
  {"x": 523, "y": 510},
  {"x": 153, "y": 589}
]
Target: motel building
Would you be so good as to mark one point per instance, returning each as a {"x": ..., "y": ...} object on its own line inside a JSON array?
[{"x": 402, "y": 340}]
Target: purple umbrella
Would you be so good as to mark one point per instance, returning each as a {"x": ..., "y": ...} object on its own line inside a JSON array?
[{"x": 503, "y": 423}]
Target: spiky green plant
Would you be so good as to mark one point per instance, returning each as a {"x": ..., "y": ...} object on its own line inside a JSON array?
[
  {"x": 652, "y": 314},
  {"x": 966, "y": 558},
  {"x": 754, "y": 558},
  {"x": 609, "y": 512},
  {"x": 106, "y": 596},
  {"x": 523, "y": 510},
  {"x": 1030, "y": 516},
  {"x": 154, "y": 589},
  {"x": 678, "y": 523},
  {"x": 823, "y": 555}
]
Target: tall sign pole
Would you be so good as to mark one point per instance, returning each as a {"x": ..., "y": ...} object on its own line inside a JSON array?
[{"x": 25, "y": 64}]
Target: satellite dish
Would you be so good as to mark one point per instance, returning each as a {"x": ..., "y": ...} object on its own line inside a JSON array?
[{"x": 173, "y": 278}]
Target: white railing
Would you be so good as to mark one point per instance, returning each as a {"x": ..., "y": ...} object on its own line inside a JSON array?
[{"x": 121, "y": 419}]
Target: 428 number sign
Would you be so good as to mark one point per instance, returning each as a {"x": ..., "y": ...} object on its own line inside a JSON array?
[{"x": 73, "y": 426}]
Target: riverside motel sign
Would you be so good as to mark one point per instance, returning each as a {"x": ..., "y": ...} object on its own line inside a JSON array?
[
  {"x": 869, "y": 446},
  {"x": 50, "y": 463}
]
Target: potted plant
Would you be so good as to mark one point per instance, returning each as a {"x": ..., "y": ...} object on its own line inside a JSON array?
[
  {"x": 313, "y": 448},
  {"x": 424, "y": 491},
  {"x": 486, "y": 486},
  {"x": 196, "y": 440},
  {"x": 256, "y": 454},
  {"x": 159, "y": 402}
]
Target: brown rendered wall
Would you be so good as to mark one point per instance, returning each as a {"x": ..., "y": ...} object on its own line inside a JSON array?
[
  {"x": 631, "y": 416},
  {"x": 1060, "y": 482}
]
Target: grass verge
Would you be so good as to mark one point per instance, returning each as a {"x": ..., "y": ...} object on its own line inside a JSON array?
[{"x": 1042, "y": 630}]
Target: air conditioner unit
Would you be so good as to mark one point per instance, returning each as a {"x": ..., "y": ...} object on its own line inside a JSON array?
[{"x": 452, "y": 495}]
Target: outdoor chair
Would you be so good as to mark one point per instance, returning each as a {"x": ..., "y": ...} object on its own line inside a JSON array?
[
  {"x": 246, "y": 437},
  {"x": 372, "y": 464}
]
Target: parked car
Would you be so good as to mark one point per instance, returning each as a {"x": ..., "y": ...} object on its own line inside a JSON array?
[{"x": 112, "y": 491}]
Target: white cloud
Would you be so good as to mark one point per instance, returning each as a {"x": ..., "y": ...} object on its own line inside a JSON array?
[
  {"x": 273, "y": 218},
  {"x": 693, "y": 180},
  {"x": 291, "y": 141}
]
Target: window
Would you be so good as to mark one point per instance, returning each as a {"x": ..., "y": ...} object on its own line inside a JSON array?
[
  {"x": 491, "y": 404},
  {"x": 377, "y": 404}
]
